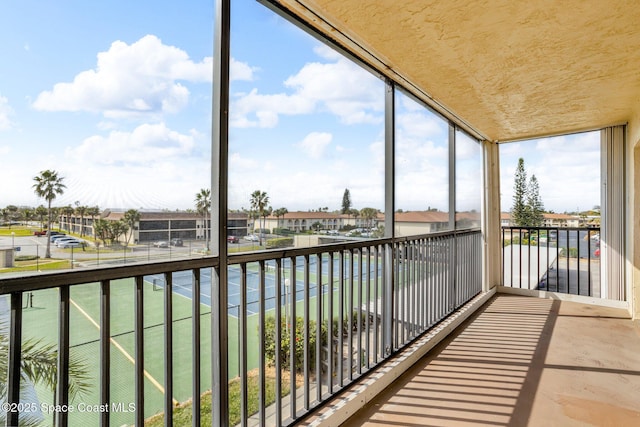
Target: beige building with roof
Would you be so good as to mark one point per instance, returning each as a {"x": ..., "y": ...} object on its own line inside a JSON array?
[
  {"x": 420, "y": 222},
  {"x": 550, "y": 220},
  {"x": 303, "y": 221},
  {"x": 155, "y": 226}
]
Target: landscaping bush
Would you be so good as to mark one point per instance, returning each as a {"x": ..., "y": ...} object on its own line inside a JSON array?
[
  {"x": 282, "y": 231},
  {"x": 285, "y": 342},
  {"x": 26, "y": 258},
  {"x": 280, "y": 242}
]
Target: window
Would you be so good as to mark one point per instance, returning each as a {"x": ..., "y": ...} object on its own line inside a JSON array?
[
  {"x": 306, "y": 126},
  {"x": 468, "y": 180},
  {"x": 422, "y": 169}
]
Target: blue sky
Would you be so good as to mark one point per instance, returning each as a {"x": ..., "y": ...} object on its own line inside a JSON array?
[{"x": 116, "y": 97}]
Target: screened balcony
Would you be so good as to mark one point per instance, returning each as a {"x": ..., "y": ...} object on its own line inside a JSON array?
[{"x": 309, "y": 335}]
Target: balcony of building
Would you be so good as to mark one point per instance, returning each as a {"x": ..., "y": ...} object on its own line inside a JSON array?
[
  {"x": 518, "y": 361},
  {"x": 518, "y": 334}
]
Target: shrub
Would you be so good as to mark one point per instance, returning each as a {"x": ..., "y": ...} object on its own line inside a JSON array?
[
  {"x": 280, "y": 242},
  {"x": 285, "y": 342},
  {"x": 282, "y": 231}
]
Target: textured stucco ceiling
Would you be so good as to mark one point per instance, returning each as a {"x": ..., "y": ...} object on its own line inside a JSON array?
[{"x": 510, "y": 69}]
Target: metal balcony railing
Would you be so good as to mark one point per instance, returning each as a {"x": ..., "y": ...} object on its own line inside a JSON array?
[
  {"x": 556, "y": 259},
  {"x": 303, "y": 324}
]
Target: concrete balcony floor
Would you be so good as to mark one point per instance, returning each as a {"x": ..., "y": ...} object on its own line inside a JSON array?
[{"x": 522, "y": 361}]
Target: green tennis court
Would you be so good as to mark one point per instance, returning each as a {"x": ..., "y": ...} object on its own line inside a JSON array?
[{"x": 40, "y": 321}]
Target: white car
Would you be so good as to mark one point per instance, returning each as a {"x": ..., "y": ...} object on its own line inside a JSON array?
[
  {"x": 252, "y": 238},
  {"x": 65, "y": 239},
  {"x": 69, "y": 244}
]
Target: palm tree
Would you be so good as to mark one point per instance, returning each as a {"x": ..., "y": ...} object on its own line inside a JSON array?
[
  {"x": 41, "y": 212},
  {"x": 281, "y": 212},
  {"x": 48, "y": 185},
  {"x": 369, "y": 214},
  {"x": 101, "y": 230},
  {"x": 5, "y": 215},
  {"x": 10, "y": 214},
  {"x": 93, "y": 212},
  {"x": 355, "y": 213},
  {"x": 82, "y": 212},
  {"x": 39, "y": 364},
  {"x": 68, "y": 212},
  {"x": 259, "y": 202},
  {"x": 27, "y": 214},
  {"x": 131, "y": 218},
  {"x": 203, "y": 206}
]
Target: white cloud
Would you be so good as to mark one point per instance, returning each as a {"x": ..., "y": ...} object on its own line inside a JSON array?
[
  {"x": 325, "y": 52},
  {"x": 5, "y": 112},
  {"x": 343, "y": 88},
  {"x": 147, "y": 144},
  {"x": 266, "y": 108},
  {"x": 418, "y": 125},
  {"x": 241, "y": 70},
  {"x": 163, "y": 184},
  {"x": 304, "y": 189},
  {"x": 132, "y": 80},
  {"x": 340, "y": 88},
  {"x": 315, "y": 144},
  {"x": 238, "y": 162}
]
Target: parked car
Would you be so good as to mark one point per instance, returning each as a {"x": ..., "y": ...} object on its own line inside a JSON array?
[
  {"x": 161, "y": 244},
  {"x": 64, "y": 240},
  {"x": 57, "y": 237},
  {"x": 233, "y": 239},
  {"x": 252, "y": 238},
  {"x": 69, "y": 244},
  {"x": 40, "y": 233},
  {"x": 176, "y": 242}
]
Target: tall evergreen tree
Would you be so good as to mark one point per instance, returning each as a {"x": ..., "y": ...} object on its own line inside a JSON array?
[
  {"x": 520, "y": 210},
  {"x": 346, "y": 202},
  {"x": 534, "y": 203}
]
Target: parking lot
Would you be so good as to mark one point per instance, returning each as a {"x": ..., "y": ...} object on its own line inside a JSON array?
[{"x": 91, "y": 255}]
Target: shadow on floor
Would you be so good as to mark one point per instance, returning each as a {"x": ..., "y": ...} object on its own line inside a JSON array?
[{"x": 521, "y": 361}]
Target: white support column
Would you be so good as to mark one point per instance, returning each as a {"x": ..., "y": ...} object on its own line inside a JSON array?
[
  {"x": 491, "y": 226},
  {"x": 613, "y": 215}
]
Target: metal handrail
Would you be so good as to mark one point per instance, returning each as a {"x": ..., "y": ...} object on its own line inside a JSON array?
[{"x": 382, "y": 293}]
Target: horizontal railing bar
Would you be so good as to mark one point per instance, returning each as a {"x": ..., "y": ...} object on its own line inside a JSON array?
[
  {"x": 432, "y": 275},
  {"x": 270, "y": 254},
  {"x": 514, "y": 227},
  {"x": 49, "y": 280}
]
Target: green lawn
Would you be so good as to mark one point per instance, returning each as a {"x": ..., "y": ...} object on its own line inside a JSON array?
[
  {"x": 18, "y": 231},
  {"x": 38, "y": 265}
]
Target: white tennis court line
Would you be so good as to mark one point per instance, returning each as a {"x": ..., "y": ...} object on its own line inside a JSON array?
[{"x": 123, "y": 351}]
